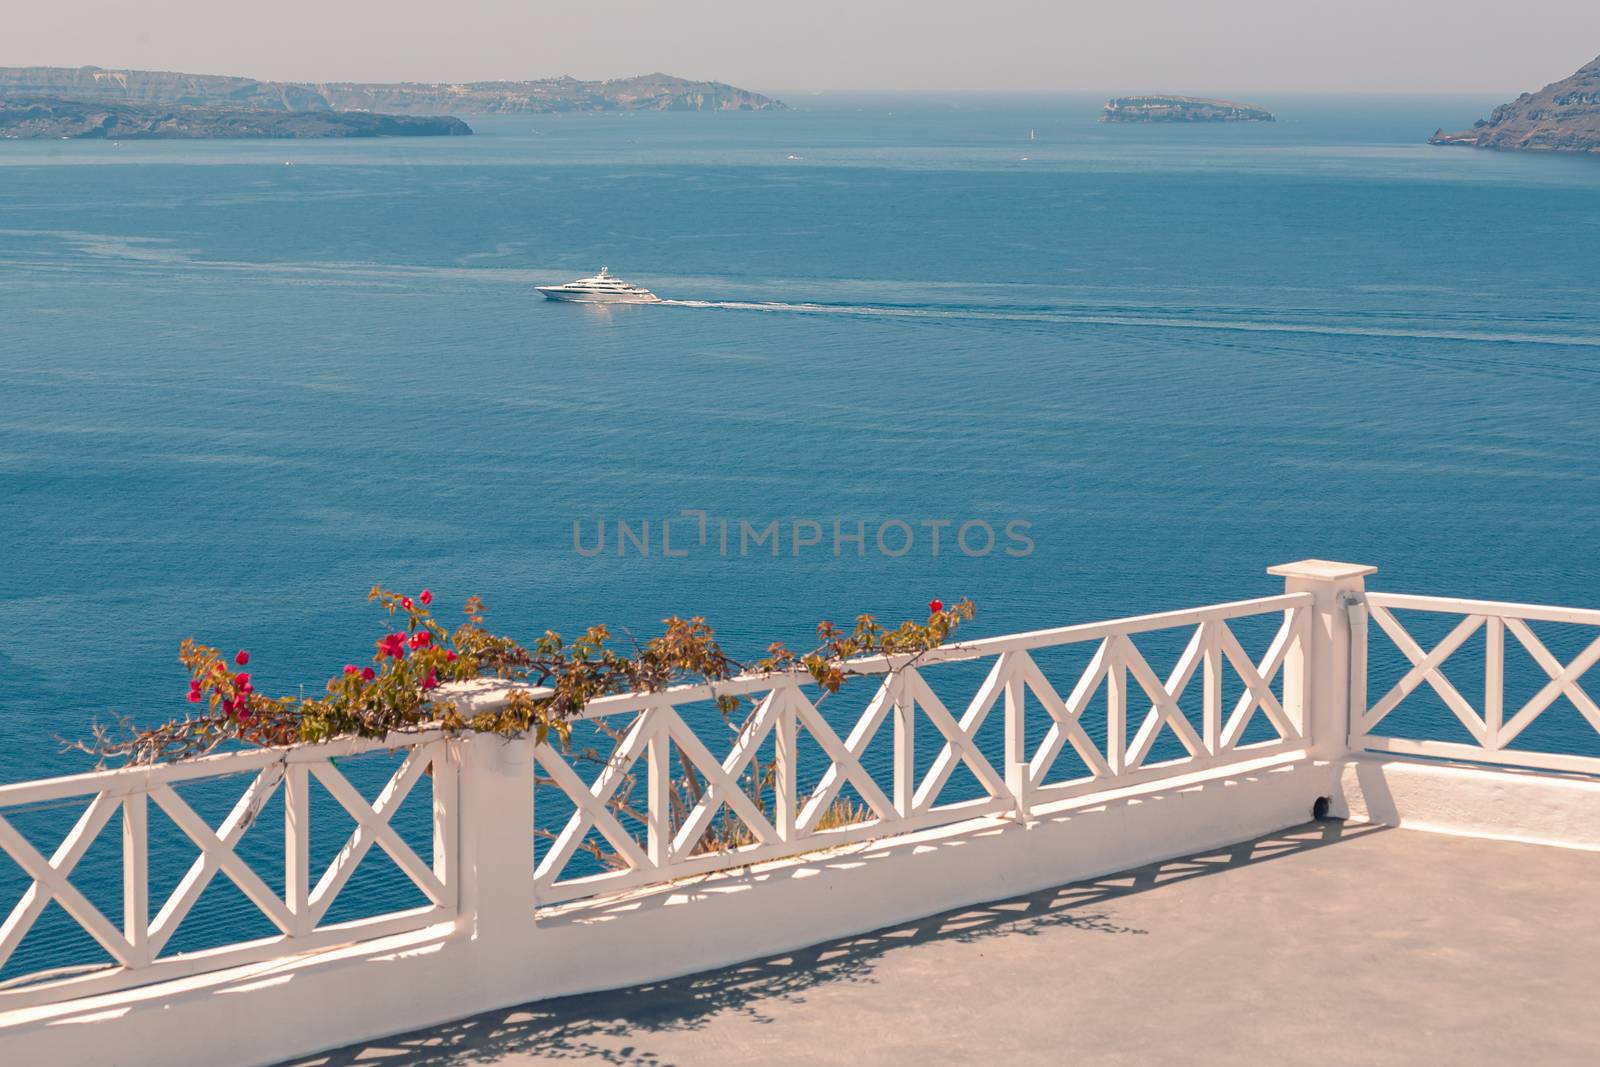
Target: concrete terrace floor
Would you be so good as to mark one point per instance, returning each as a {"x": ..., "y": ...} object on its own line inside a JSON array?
[{"x": 1330, "y": 943}]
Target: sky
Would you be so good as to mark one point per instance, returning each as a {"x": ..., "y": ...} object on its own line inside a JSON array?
[{"x": 1190, "y": 46}]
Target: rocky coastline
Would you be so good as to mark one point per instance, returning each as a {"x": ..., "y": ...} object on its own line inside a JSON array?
[
  {"x": 47, "y": 117},
  {"x": 1564, "y": 116}
]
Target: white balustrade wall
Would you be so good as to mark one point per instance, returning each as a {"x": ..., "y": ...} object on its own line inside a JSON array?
[
  {"x": 1493, "y": 726},
  {"x": 1134, "y": 699},
  {"x": 137, "y": 948},
  {"x": 1220, "y": 713}
]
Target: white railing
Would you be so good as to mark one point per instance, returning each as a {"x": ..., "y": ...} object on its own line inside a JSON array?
[
  {"x": 138, "y": 949},
  {"x": 1488, "y": 723},
  {"x": 666, "y": 842},
  {"x": 782, "y": 819},
  {"x": 657, "y": 791}
]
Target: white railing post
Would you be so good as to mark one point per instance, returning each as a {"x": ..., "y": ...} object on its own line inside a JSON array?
[
  {"x": 1317, "y": 670},
  {"x": 1494, "y": 682},
  {"x": 1211, "y": 680},
  {"x": 136, "y": 875},
  {"x": 297, "y": 846},
  {"x": 446, "y": 821},
  {"x": 495, "y": 831},
  {"x": 658, "y": 785},
  {"x": 905, "y": 748},
  {"x": 1355, "y": 604},
  {"x": 1116, "y": 706},
  {"x": 786, "y": 766},
  {"x": 1018, "y": 771}
]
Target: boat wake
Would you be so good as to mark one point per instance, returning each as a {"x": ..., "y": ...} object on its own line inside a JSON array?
[{"x": 1156, "y": 322}]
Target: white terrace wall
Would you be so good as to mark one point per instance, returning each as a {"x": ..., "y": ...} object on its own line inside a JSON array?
[
  {"x": 668, "y": 915},
  {"x": 1535, "y": 807},
  {"x": 496, "y": 957},
  {"x": 1496, "y": 785}
]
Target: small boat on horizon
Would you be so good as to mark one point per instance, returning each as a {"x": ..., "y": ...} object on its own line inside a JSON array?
[{"x": 602, "y": 288}]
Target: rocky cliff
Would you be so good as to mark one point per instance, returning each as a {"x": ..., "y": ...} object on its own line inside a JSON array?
[
  {"x": 649, "y": 92},
  {"x": 1562, "y": 117},
  {"x": 1180, "y": 109},
  {"x": 34, "y": 117}
]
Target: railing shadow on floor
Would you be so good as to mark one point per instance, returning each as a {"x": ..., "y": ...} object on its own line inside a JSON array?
[{"x": 607, "y": 1027}]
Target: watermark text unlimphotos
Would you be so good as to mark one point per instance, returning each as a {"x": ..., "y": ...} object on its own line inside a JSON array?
[{"x": 695, "y": 532}]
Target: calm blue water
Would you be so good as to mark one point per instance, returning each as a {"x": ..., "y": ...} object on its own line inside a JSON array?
[{"x": 238, "y": 393}]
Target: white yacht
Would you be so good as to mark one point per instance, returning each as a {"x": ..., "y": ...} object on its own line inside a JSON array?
[{"x": 600, "y": 289}]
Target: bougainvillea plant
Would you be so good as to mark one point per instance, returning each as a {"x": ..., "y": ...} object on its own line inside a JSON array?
[
  {"x": 403, "y": 689},
  {"x": 399, "y": 689}
]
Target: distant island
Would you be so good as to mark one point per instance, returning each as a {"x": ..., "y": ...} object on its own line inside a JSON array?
[
  {"x": 44, "y": 117},
  {"x": 648, "y": 92},
  {"x": 1562, "y": 117},
  {"x": 1181, "y": 109},
  {"x": 89, "y": 102}
]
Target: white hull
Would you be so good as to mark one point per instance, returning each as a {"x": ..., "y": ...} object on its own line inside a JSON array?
[
  {"x": 580, "y": 296},
  {"x": 603, "y": 288}
]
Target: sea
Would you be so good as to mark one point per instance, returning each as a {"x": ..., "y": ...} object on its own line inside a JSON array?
[{"x": 1114, "y": 369}]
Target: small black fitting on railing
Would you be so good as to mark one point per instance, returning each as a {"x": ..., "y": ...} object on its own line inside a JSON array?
[{"x": 1319, "y": 808}]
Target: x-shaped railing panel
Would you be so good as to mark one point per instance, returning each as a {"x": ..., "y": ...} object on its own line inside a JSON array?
[
  {"x": 722, "y": 779},
  {"x": 1425, "y": 667},
  {"x": 141, "y": 951},
  {"x": 51, "y": 882},
  {"x": 960, "y": 738},
  {"x": 1563, "y": 682},
  {"x": 1117, "y": 658},
  {"x": 845, "y": 756},
  {"x": 217, "y": 853},
  {"x": 1066, "y": 715},
  {"x": 1489, "y": 726},
  {"x": 592, "y": 802},
  {"x": 1164, "y": 708},
  {"x": 1258, "y": 682},
  {"x": 373, "y": 826}
]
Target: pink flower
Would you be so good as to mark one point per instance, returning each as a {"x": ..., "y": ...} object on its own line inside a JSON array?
[
  {"x": 242, "y": 682},
  {"x": 350, "y": 668},
  {"x": 368, "y": 674},
  {"x": 405, "y": 602},
  {"x": 241, "y": 657},
  {"x": 393, "y": 646},
  {"x": 430, "y": 682},
  {"x": 420, "y": 639},
  {"x": 426, "y": 596},
  {"x": 450, "y": 656},
  {"x": 935, "y": 606},
  {"x": 194, "y": 696}
]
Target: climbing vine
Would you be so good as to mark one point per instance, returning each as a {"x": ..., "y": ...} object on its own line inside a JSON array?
[{"x": 399, "y": 688}]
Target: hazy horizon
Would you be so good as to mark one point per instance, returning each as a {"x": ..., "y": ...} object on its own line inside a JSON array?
[{"x": 1228, "y": 47}]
